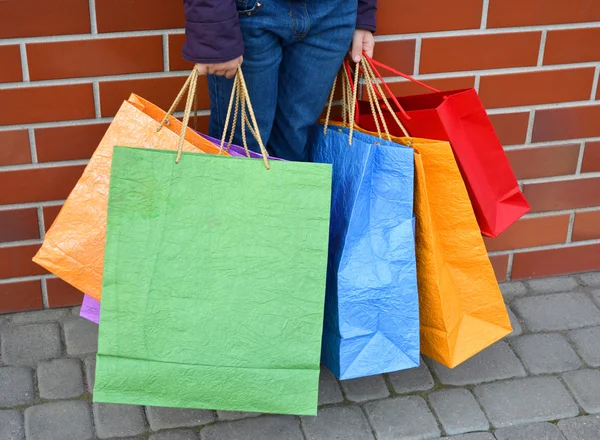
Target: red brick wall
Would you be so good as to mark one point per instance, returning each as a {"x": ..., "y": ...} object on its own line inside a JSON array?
[{"x": 66, "y": 66}]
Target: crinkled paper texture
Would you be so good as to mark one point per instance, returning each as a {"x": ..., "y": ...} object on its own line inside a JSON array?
[{"x": 214, "y": 283}]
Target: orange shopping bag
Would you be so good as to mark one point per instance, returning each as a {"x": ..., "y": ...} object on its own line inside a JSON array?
[
  {"x": 461, "y": 308},
  {"x": 73, "y": 248}
]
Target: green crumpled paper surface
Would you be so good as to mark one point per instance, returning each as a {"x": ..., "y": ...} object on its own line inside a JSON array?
[{"x": 214, "y": 283}]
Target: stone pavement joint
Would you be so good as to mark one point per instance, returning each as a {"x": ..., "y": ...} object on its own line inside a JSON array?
[
  {"x": 546, "y": 353},
  {"x": 458, "y": 411},
  {"x": 586, "y": 342}
]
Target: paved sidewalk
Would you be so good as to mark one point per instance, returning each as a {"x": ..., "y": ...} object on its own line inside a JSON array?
[{"x": 541, "y": 383}]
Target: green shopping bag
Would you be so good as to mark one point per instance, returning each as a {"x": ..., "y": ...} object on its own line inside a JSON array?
[{"x": 214, "y": 282}]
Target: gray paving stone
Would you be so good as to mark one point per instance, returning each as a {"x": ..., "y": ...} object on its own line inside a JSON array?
[
  {"x": 186, "y": 434},
  {"x": 59, "y": 421},
  {"x": 458, "y": 411},
  {"x": 591, "y": 279},
  {"x": 513, "y": 289},
  {"x": 329, "y": 389},
  {"x": 562, "y": 311},
  {"x": 474, "y": 436},
  {"x": 90, "y": 373},
  {"x": 263, "y": 428},
  {"x": 585, "y": 385},
  {"x": 518, "y": 401},
  {"x": 16, "y": 386},
  {"x": 406, "y": 418},
  {"x": 414, "y": 379},
  {"x": 75, "y": 311},
  {"x": 60, "y": 379},
  {"x": 365, "y": 388},
  {"x": 168, "y": 418},
  {"x": 48, "y": 315},
  {"x": 81, "y": 336},
  {"x": 118, "y": 420},
  {"x": 28, "y": 344},
  {"x": 235, "y": 415},
  {"x": 587, "y": 344},
  {"x": 494, "y": 363},
  {"x": 581, "y": 428},
  {"x": 515, "y": 323},
  {"x": 546, "y": 353},
  {"x": 596, "y": 296},
  {"x": 553, "y": 285},
  {"x": 341, "y": 422},
  {"x": 535, "y": 431},
  {"x": 11, "y": 425}
]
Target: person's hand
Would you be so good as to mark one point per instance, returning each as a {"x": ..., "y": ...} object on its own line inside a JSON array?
[
  {"x": 363, "y": 41},
  {"x": 228, "y": 69}
]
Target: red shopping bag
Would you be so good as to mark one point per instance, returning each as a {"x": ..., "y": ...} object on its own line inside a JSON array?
[{"x": 458, "y": 116}]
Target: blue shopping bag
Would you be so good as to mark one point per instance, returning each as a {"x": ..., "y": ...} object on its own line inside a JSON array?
[{"x": 371, "y": 307}]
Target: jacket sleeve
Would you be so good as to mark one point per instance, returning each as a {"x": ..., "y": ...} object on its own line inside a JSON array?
[
  {"x": 366, "y": 15},
  {"x": 212, "y": 30}
]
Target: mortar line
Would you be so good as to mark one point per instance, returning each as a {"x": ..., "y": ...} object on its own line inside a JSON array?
[{"x": 24, "y": 62}]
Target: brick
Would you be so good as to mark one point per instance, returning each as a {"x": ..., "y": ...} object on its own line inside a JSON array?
[
  {"x": 501, "y": 13},
  {"x": 585, "y": 342},
  {"x": 591, "y": 158},
  {"x": 159, "y": 91},
  {"x": 176, "y": 60},
  {"x": 168, "y": 418},
  {"x": 428, "y": 16},
  {"x": 235, "y": 415},
  {"x": 553, "y": 285},
  {"x": 50, "y": 213},
  {"x": 530, "y": 88},
  {"x": 365, "y": 388},
  {"x": 451, "y": 54},
  {"x": 541, "y": 431},
  {"x": 60, "y": 379},
  {"x": 31, "y": 104},
  {"x": 513, "y": 289},
  {"x": 531, "y": 232},
  {"x": 565, "y": 260},
  {"x": 559, "y": 124},
  {"x": 536, "y": 399},
  {"x": 10, "y": 60},
  {"x": 264, "y": 428},
  {"x": 90, "y": 373},
  {"x": 38, "y": 316},
  {"x": 28, "y": 344},
  {"x": 11, "y": 425},
  {"x": 590, "y": 279},
  {"x": 515, "y": 324},
  {"x": 500, "y": 266},
  {"x": 580, "y": 428},
  {"x": 14, "y": 147},
  {"x": 511, "y": 128},
  {"x": 343, "y": 422},
  {"x": 62, "y": 294},
  {"x": 568, "y": 46},
  {"x": 562, "y": 311},
  {"x": 73, "y": 142},
  {"x": 494, "y": 363},
  {"x": 118, "y": 420},
  {"x": 457, "y": 411},
  {"x": 106, "y": 56},
  {"x": 81, "y": 336},
  {"x": 15, "y": 261},
  {"x": 19, "y": 224},
  {"x": 20, "y": 296},
  {"x": 408, "y": 418},
  {"x": 407, "y": 88},
  {"x": 549, "y": 161},
  {"x": 40, "y": 184},
  {"x": 16, "y": 386},
  {"x": 59, "y": 421},
  {"x": 399, "y": 55},
  {"x": 546, "y": 353},
  {"x": 566, "y": 194},
  {"x": 39, "y": 17},
  {"x": 186, "y": 434},
  {"x": 138, "y": 15},
  {"x": 585, "y": 386},
  {"x": 413, "y": 379},
  {"x": 329, "y": 389}
]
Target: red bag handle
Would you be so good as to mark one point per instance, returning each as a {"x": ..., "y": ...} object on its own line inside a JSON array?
[{"x": 374, "y": 63}]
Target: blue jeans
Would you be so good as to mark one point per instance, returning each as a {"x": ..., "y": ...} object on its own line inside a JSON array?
[{"x": 293, "y": 51}]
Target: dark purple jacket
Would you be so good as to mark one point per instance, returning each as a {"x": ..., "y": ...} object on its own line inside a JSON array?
[{"x": 214, "y": 35}]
